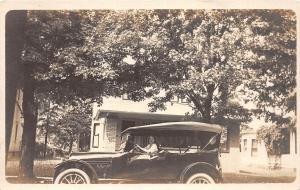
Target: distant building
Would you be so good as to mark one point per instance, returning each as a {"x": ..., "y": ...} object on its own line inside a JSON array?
[
  {"x": 117, "y": 114},
  {"x": 17, "y": 127},
  {"x": 254, "y": 152}
]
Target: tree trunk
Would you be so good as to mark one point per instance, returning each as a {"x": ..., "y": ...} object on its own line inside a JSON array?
[
  {"x": 207, "y": 104},
  {"x": 71, "y": 146},
  {"x": 29, "y": 128},
  {"x": 207, "y": 118},
  {"x": 78, "y": 142},
  {"x": 203, "y": 108},
  {"x": 46, "y": 142}
]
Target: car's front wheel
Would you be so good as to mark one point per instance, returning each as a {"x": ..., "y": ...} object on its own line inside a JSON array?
[
  {"x": 72, "y": 176},
  {"x": 200, "y": 178}
]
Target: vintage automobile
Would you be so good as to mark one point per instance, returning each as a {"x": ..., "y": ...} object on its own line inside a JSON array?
[{"x": 187, "y": 152}]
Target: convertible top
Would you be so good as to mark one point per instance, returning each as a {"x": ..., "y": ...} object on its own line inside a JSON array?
[{"x": 177, "y": 126}]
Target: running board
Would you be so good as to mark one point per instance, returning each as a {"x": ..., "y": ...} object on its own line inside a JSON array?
[{"x": 133, "y": 181}]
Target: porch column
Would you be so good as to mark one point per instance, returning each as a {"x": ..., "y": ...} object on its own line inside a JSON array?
[{"x": 292, "y": 143}]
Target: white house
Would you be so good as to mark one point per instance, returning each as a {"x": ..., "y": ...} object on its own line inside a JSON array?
[{"x": 254, "y": 152}]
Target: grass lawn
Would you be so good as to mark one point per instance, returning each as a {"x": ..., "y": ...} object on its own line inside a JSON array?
[
  {"x": 248, "y": 178},
  {"x": 42, "y": 168}
]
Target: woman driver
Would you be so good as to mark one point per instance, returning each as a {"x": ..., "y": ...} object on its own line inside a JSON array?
[
  {"x": 150, "y": 152},
  {"x": 150, "y": 148}
]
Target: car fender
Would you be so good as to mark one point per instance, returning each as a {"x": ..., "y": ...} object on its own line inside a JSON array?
[
  {"x": 75, "y": 164},
  {"x": 200, "y": 167}
]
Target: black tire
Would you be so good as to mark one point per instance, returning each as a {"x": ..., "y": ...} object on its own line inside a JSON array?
[
  {"x": 72, "y": 176},
  {"x": 200, "y": 178}
]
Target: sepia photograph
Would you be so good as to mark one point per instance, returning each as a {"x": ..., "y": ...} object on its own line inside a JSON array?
[{"x": 150, "y": 96}]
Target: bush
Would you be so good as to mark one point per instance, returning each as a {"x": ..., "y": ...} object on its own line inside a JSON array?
[
  {"x": 275, "y": 139},
  {"x": 39, "y": 151}
]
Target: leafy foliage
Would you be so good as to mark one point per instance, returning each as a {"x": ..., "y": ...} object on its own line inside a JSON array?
[
  {"x": 209, "y": 57},
  {"x": 48, "y": 115},
  {"x": 190, "y": 54},
  {"x": 272, "y": 68},
  {"x": 56, "y": 50},
  {"x": 74, "y": 121},
  {"x": 274, "y": 138},
  {"x": 61, "y": 124}
]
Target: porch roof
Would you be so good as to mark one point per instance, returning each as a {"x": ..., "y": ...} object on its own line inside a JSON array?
[{"x": 138, "y": 115}]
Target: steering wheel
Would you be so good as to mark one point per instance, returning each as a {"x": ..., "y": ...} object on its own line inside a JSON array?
[
  {"x": 136, "y": 149},
  {"x": 187, "y": 149}
]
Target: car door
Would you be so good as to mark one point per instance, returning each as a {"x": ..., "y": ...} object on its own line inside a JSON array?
[
  {"x": 144, "y": 166},
  {"x": 138, "y": 166}
]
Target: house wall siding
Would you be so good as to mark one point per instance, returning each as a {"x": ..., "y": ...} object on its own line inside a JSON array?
[
  {"x": 17, "y": 127},
  {"x": 261, "y": 158}
]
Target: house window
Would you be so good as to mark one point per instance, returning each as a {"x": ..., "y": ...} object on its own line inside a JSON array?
[
  {"x": 125, "y": 97},
  {"x": 254, "y": 147},
  {"x": 184, "y": 100},
  {"x": 245, "y": 145},
  {"x": 84, "y": 141},
  {"x": 174, "y": 99},
  {"x": 96, "y": 136},
  {"x": 225, "y": 140}
]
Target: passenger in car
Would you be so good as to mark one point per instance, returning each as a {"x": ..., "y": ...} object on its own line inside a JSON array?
[{"x": 128, "y": 145}]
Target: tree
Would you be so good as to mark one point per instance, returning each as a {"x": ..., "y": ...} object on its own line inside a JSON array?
[
  {"x": 274, "y": 138},
  {"x": 62, "y": 124},
  {"x": 49, "y": 114},
  {"x": 50, "y": 38},
  {"x": 272, "y": 69},
  {"x": 29, "y": 127},
  {"x": 215, "y": 58},
  {"x": 196, "y": 54},
  {"x": 75, "y": 121},
  {"x": 272, "y": 84},
  {"x": 36, "y": 56}
]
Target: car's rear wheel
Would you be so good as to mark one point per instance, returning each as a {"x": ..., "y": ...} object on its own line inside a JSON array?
[
  {"x": 200, "y": 178},
  {"x": 72, "y": 176}
]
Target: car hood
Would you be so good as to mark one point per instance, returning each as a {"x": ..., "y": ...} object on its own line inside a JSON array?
[{"x": 91, "y": 155}]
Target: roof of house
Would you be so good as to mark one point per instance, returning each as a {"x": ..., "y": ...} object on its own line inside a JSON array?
[{"x": 178, "y": 126}]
